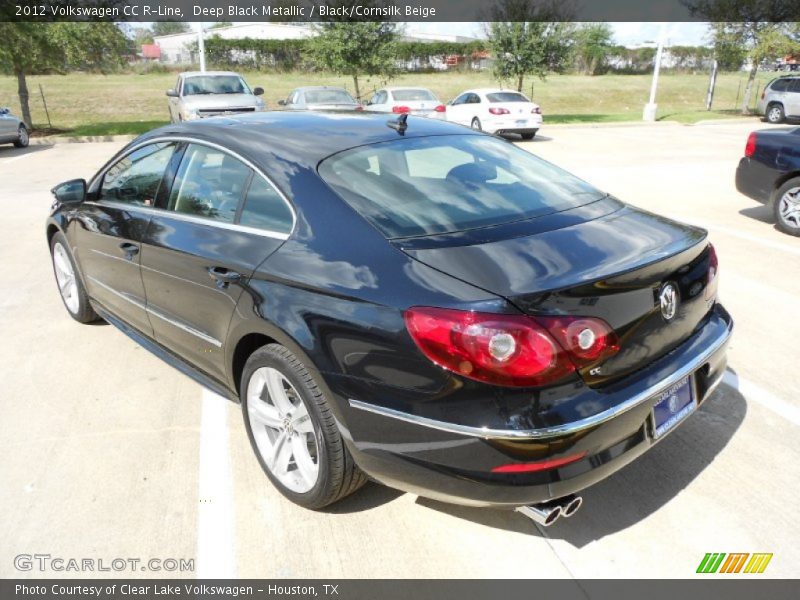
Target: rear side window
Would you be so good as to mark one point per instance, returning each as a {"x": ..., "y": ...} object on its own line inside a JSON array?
[
  {"x": 794, "y": 86},
  {"x": 506, "y": 97},
  {"x": 209, "y": 184},
  {"x": 780, "y": 85},
  {"x": 264, "y": 208},
  {"x": 135, "y": 179}
]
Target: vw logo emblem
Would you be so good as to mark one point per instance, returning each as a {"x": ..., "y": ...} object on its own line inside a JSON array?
[{"x": 668, "y": 298}]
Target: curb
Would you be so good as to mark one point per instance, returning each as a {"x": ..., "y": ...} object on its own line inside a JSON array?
[{"x": 83, "y": 139}]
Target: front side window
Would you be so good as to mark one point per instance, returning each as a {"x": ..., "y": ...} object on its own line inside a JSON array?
[
  {"x": 214, "y": 84},
  {"x": 264, "y": 208},
  {"x": 135, "y": 179},
  {"x": 209, "y": 184},
  {"x": 443, "y": 184}
]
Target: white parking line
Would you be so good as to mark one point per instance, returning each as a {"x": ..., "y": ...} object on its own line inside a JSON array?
[
  {"x": 215, "y": 518},
  {"x": 755, "y": 393}
]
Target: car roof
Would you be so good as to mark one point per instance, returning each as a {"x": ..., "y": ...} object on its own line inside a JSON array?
[
  {"x": 311, "y": 88},
  {"x": 207, "y": 73},
  {"x": 395, "y": 88},
  {"x": 489, "y": 91},
  {"x": 302, "y": 137}
]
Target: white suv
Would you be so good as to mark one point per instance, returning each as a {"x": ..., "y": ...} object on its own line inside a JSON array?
[{"x": 780, "y": 100}]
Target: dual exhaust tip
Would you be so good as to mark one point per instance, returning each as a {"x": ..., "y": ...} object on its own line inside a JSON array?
[{"x": 547, "y": 513}]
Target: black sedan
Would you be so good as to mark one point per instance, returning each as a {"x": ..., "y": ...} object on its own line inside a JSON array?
[
  {"x": 770, "y": 173},
  {"x": 404, "y": 299}
]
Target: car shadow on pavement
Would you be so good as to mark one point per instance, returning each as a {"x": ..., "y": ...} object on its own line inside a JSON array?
[
  {"x": 762, "y": 212},
  {"x": 639, "y": 489},
  {"x": 10, "y": 151},
  {"x": 370, "y": 496}
]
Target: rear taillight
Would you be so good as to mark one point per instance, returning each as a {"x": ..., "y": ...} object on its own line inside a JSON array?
[
  {"x": 536, "y": 110},
  {"x": 359, "y": 108},
  {"x": 750, "y": 146},
  {"x": 712, "y": 278},
  {"x": 586, "y": 339},
  {"x": 763, "y": 93},
  {"x": 400, "y": 109},
  {"x": 440, "y": 108},
  {"x": 512, "y": 350},
  {"x": 499, "y": 111}
]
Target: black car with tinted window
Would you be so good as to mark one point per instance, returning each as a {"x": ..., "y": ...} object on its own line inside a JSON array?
[{"x": 401, "y": 299}]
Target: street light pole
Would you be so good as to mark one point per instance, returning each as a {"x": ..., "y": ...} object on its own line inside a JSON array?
[
  {"x": 651, "y": 107},
  {"x": 201, "y": 47}
]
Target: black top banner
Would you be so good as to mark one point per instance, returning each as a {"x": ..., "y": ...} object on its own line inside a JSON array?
[{"x": 400, "y": 10}]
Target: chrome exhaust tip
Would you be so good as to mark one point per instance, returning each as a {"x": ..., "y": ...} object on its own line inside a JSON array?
[
  {"x": 541, "y": 514},
  {"x": 570, "y": 505}
]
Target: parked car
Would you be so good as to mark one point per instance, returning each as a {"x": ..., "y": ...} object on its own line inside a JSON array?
[
  {"x": 420, "y": 102},
  {"x": 410, "y": 301},
  {"x": 200, "y": 94},
  {"x": 770, "y": 173},
  {"x": 13, "y": 129},
  {"x": 320, "y": 98},
  {"x": 497, "y": 111},
  {"x": 780, "y": 100}
]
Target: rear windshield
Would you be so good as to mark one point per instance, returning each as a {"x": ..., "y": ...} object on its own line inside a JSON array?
[
  {"x": 507, "y": 97},
  {"x": 412, "y": 95},
  {"x": 328, "y": 97},
  {"x": 214, "y": 84},
  {"x": 441, "y": 184}
]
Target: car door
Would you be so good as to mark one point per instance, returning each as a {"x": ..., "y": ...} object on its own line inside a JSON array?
[
  {"x": 200, "y": 250},
  {"x": 8, "y": 126},
  {"x": 792, "y": 102},
  {"x": 110, "y": 226},
  {"x": 456, "y": 111}
]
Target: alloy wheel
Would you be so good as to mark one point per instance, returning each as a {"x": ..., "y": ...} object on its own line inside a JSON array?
[
  {"x": 789, "y": 208},
  {"x": 23, "y": 136},
  {"x": 774, "y": 115},
  {"x": 65, "y": 276},
  {"x": 283, "y": 430}
]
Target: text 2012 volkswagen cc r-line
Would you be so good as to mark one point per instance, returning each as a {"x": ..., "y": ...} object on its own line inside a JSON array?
[{"x": 401, "y": 299}]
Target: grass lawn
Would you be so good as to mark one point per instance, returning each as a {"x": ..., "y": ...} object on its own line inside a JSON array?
[{"x": 85, "y": 104}]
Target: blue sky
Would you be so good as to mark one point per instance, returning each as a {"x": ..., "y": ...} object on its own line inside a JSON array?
[{"x": 626, "y": 34}]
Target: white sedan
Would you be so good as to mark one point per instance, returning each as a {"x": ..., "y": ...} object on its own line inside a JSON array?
[
  {"x": 496, "y": 111},
  {"x": 415, "y": 101}
]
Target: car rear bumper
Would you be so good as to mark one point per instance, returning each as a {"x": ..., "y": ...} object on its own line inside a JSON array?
[
  {"x": 529, "y": 124},
  {"x": 756, "y": 180},
  {"x": 453, "y": 463}
]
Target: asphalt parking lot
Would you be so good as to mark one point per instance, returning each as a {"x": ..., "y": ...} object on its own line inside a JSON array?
[{"x": 108, "y": 452}]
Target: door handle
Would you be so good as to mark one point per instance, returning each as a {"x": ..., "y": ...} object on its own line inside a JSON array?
[
  {"x": 129, "y": 249},
  {"x": 223, "y": 277}
]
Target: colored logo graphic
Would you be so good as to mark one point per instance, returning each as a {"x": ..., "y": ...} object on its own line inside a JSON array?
[{"x": 741, "y": 562}]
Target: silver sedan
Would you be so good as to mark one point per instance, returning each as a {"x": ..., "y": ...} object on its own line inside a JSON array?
[
  {"x": 320, "y": 98},
  {"x": 13, "y": 129}
]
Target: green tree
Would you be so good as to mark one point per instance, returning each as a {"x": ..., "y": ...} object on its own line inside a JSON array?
[
  {"x": 33, "y": 47},
  {"x": 355, "y": 48},
  {"x": 754, "y": 26},
  {"x": 526, "y": 39},
  {"x": 169, "y": 27},
  {"x": 593, "y": 43}
]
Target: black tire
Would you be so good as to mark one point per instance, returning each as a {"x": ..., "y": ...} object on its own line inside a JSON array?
[
  {"x": 338, "y": 474},
  {"x": 476, "y": 124},
  {"x": 83, "y": 313},
  {"x": 528, "y": 136},
  {"x": 24, "y": 138},
  {"x": 790, "y": 189},
  {"x": 775, "y": 113}
]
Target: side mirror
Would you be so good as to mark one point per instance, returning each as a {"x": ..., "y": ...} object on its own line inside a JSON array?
[
  {"x": 281, "y": 102},
  {"x": 258, "y": 91},
  {"x": 172, "y": 93},
  {"x": 70, "y": 192}
]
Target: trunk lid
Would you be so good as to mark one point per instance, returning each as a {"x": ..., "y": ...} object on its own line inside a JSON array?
[{"x": 614, "y": 268}]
